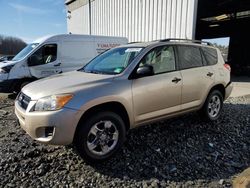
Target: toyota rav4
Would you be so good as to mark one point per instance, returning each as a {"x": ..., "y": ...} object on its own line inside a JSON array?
[{"x": 123, "y": 88}]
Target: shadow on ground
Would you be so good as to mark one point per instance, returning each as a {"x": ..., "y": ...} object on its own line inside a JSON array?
[{"x": 186, "y": 148}]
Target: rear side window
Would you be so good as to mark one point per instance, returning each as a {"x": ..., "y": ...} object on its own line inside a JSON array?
[
  {"x": 189, "y": 57},
  {"x": 210, "y": 55}
]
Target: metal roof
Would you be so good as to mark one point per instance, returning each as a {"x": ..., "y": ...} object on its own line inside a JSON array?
[{"x": 68, "y": 1}]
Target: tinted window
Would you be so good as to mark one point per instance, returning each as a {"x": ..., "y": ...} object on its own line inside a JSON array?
[
  {"x": 44, "y": 55},
  {"x": 162, "y": 59},
  {"x": 210, "y": 55},
  {"x": 49, "y": 53},
  {"x": 189, "y": 57}
]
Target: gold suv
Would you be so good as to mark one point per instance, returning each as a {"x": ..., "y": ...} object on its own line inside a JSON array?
[{"x": 123, "y": 88}]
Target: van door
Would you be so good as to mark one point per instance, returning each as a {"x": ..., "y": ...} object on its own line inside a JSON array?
[
  {"x": 45, "y": 62},
  {"x": 197, "y": 78},
  {"x": 160, "y": 94},
  {"x": 76, "y": 54}
]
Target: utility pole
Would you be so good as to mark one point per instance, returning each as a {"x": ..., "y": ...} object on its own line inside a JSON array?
[{"x": 90, "y": 32}]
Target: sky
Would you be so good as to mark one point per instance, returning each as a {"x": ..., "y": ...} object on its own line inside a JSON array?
[
  {"x": 221, "y": 41},
  {"x": 31, "y": 19}
]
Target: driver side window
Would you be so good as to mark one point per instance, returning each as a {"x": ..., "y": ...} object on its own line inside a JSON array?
[
  {"x": 162, "y": 59},
  {"x": 46, "y": 54}
]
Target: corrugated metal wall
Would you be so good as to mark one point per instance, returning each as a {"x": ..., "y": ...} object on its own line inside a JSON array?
[
  {"x": 78, "y": 20},
  {"x": 139, "y": 20}
]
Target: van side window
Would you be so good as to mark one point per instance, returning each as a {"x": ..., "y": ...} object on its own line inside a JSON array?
[
  {"x": 189, "y": 57},
  {"x": 45, "y": 54},
  {"x": 210, "y": 55},
  {"x": 162, "y": 59}
]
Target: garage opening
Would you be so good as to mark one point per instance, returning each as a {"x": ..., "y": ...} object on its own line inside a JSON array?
[{"x": 227, "y": 19}]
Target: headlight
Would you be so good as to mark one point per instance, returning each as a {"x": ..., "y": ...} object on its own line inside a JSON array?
[
  {"x": 6, "y": 69},
  {"x": 2, "y": 71},
  {"x": 54, "y": 102}
]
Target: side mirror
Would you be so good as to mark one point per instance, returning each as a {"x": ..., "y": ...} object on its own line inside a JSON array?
[
  {"x": 146, "y": 70},
  {"x": 33, "y": 61}
]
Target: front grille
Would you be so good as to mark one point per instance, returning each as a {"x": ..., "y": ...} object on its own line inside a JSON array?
[{"x": 23, "y": 100}]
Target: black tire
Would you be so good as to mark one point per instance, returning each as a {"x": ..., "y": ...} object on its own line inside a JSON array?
[
  {"x": 83, "y": 134},
  {"x": 24, "y": 84},
  {"x": 18, "y": 87},
  {"x": 206, "y": 110}
]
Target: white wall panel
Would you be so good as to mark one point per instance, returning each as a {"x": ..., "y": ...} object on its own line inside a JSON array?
[{"x": 139, "y": 20}]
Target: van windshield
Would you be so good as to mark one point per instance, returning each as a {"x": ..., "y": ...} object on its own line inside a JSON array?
[
  {"x": 25, "y": 51},
  {"x": 113, "y": 61}
]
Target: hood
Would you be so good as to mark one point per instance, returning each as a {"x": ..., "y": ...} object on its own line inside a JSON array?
[
  {"x": 7, "y": 63},
  {"x": 70, "y": 82}
]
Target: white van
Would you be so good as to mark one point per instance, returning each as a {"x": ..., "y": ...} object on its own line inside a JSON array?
[{"x": 52, "y": 55}]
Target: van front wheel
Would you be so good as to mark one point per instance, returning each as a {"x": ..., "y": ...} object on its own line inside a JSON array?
[
  {"x": 19, "y": 85},
  {"x": 100, "y": 136},
  {"x": 24, "y": 84}
]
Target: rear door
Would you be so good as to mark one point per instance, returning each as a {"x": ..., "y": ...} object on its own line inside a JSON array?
[
  {"x": 160, "y": 94},
  {"x": 197, "y": 77},
  {"x": 45, "y": 62}
]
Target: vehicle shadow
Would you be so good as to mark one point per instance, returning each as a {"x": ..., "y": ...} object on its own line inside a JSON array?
[
  {"x": 185, "y": 148},
  {"x": 12, "y": 96}
]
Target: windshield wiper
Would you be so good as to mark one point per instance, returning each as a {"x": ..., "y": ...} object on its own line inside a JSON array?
[{"x": 93, "y": 72}]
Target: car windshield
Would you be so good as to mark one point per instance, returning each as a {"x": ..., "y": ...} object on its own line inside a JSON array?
[
  {"x": 25, "y": 51},
  {"x": 113, "y": 61}
]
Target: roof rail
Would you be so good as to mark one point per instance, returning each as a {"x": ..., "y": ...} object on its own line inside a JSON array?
[
  {"x": 134, "y": 42},
  {"x": 186, "y": 40}
]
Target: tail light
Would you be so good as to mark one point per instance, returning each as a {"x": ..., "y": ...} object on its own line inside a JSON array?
[{"x": 227, "y": 66}]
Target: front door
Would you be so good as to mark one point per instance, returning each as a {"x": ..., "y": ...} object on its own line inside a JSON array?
[
  {"x": 45, "y": 62},
  {"x": 160, "y": 94}
]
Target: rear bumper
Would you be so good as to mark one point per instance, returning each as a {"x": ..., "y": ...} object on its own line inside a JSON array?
[{"x": 228, "y": 90}]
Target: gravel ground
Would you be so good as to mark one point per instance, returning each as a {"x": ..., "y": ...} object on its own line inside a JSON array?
[{"x": 181, "y": 152}]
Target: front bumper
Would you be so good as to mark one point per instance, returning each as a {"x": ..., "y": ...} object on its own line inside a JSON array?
[
  {"x": 228, "y": 90},
  {"x": 50, "y": 127}
]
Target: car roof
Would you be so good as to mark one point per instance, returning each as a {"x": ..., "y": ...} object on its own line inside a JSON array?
[{"x": 162, "y": 42}]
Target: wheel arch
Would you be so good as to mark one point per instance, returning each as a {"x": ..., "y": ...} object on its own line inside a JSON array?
[
  {"x": 112, "y": 106},
  {"x": 219, "y": 87}
]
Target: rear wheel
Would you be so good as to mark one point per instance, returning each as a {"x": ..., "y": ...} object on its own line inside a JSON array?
[
  {"x": 100, "y": 136},
  {"x": 212, "y": 108}
]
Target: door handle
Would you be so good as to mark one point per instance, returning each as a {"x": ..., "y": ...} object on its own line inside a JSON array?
[
  {"x": 176, "y": 80},
  {"x": 210, "y": 74},
  {"x": 57, "y": 65}
]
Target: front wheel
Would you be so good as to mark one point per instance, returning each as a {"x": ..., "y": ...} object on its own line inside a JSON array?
[
  {"x": 100, "y": 136},
  {"x": 212, "y": 108}
]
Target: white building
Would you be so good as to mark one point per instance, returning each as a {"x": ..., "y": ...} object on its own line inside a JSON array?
[
  {"x": 138, "y": 20},
  {"x": 147, "y": 20}
]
